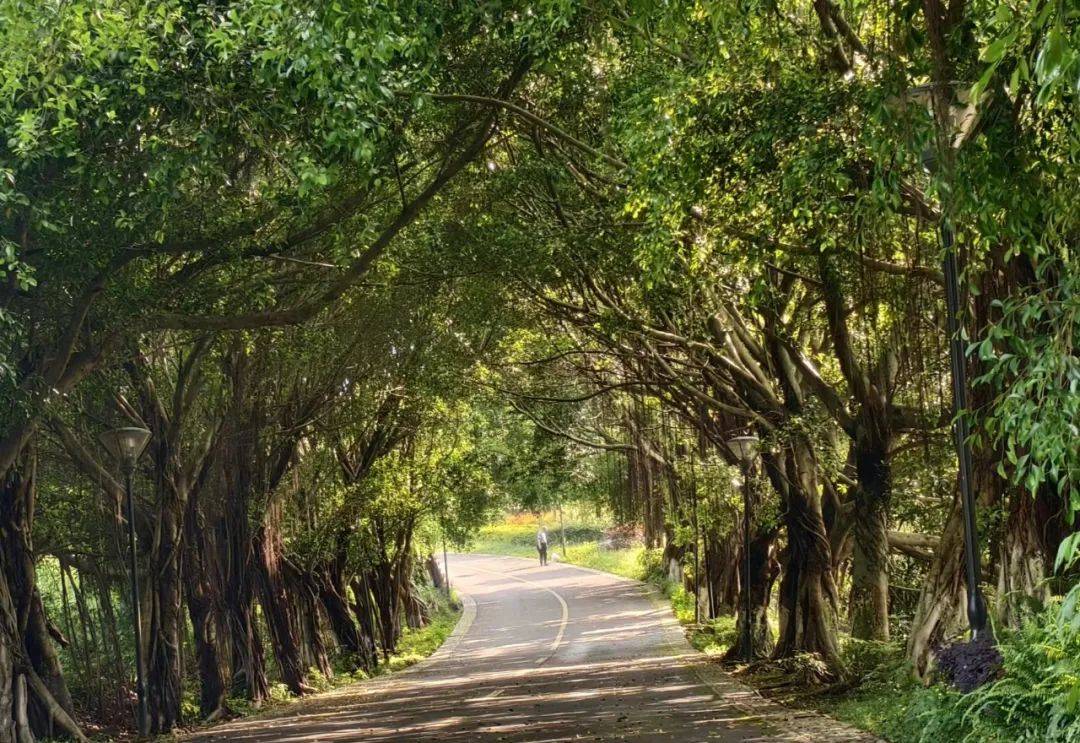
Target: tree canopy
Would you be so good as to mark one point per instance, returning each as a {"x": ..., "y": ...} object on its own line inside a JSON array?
[{"x": 371, "y": 272}]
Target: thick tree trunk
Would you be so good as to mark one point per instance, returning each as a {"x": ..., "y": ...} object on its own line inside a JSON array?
[
  {"x": 202, "y": 595},
  {"x": 278, "y": 610},
  {"x": 164, "y": 659},
  {"x": 673, "y": 557},
  {"x": 417, "y": 614},
  {"x": 360, "y": 648},
  {"x": 1022, "y": 562},
  {"x": 387, "y": 603},
  {"x": 722, "y": 570},
  {"x": 309, "y": 619},
  {"x": 763, "y": 572},
  {"x": 870, "y": 525},
  {"x": 808, "y": 596},
  {"x": 29, "y": 660},
  {"x": 364, "y": 609},
  {"x": 8, "y": 638},
  {"x": 435, "y": 572},
  {"x": 204, "y": 626},
  {"x": 248, "y": 667},
  {"x": 940, "y": 611}
]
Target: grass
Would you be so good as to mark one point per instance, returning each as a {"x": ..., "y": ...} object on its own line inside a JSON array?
[
  {"x": 516, "y": 537},
  {"x": 625, "y": 562},
  {"x": 415, "y": 645}
]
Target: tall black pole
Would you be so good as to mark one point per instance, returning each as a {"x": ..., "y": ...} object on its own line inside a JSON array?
[
  {"x": 142, "y": 721},
  {"x": 445, "y": 565},
  {"x": 697, "y": 541},
  {"x": 976, "y": 605},
  {"x": 748, "y": 635}
]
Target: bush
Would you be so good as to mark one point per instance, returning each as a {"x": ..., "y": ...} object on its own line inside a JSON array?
[{"x": 652, "y": 566}]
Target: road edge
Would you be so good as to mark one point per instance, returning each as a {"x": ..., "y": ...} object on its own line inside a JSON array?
[
  {"x": 301, "y": 706},
  {"x": 450, "y": 644}
]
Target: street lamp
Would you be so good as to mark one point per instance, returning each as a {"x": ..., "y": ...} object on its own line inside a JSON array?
[
  {"x": 126, "y": 445},
  {"x": 745, "y": 448},
  {"x": 961, "y": 120},
  {"x": 976, "y": 604}
]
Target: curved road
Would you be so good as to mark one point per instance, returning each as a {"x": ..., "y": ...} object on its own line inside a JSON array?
[{"x": 551, "y": 654}]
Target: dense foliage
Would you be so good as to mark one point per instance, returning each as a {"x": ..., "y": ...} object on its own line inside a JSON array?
[{"x": 369, "y": 272}]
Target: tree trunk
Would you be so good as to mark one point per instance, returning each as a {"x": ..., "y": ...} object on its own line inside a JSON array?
[
  {"x": 28, "y": 648},
  {"x": 870, "y": 526},
  {"x": 364, "y": 609},
  {"x": 1022, "y": 562},
  {"x": 277, "y": 609},
  {"x": 940, "y": 611},
  {"x": 673, "y": 557},
  {"x": 360, "y": 648},
  {"x": 307, "y": 608},
  {"x": 435, "y": 573},
  {"x": 201, "y": 592},
  {"x": 248, "y": 668},
  {"x": 763, "y": 571},
  {"x": 722, "y": 570},
  {"x": 808, "y": 595},
  {"x": 166, "y": 619},
  {"x": 8, "y": 636}
]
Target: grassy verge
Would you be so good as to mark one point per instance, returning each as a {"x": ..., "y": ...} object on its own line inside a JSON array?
[{"x": 414, "y": 646}]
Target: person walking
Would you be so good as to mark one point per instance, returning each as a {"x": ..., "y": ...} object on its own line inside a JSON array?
[{"x": 542, "y": 545}]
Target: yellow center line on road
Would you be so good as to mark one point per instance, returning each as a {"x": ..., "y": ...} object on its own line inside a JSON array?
[{"x": 562, "y": 602}]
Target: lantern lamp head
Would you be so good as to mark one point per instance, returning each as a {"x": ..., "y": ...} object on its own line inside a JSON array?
[
  {"x": 744, "y": 447},
  {"x": 126, "y": 445}
]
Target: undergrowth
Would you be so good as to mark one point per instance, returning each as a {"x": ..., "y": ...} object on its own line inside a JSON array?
[
  {"x": 414, "y": 646},
  {"x": 1035, "y": 699}
]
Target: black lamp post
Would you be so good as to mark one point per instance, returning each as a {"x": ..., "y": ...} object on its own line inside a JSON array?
[
  {"x": 976, "y": 604},
  {"x": 126, "y": 445},
  {"x": 961, "y": 120},
  {"x": 745, "y": 448}
]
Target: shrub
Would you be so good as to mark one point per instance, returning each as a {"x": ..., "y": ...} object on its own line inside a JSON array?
[{"x": 652, "y": 566}]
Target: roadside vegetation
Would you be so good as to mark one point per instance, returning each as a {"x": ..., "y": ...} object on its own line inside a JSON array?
[{"x": 414, "y": 646}]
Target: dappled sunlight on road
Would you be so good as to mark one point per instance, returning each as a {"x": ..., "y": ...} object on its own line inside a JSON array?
[{"x": 553, "y": 654}]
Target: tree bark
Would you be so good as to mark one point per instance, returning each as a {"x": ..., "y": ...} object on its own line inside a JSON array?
[
  {"x": 28, "y": 647},
  {"x": 248, "y": 668},
  {"x": 722, "y": 561},
  {"x": 277, "y": 608},
  {"x": 870, "y": 526},
  {"x": 164, "y": 659},
  {"x": 359, "y": 647},
  {"x": 808, "y": 596},
  {"x": 364, "y": 610},
  {"x": 1022, "y": 563},
  {"x": 940, "y": 610},
  {"x": 204, "y": 604},
  {"x": 763, "y": 572}
]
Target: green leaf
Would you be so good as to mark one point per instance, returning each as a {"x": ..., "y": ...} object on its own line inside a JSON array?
[{"x": 1068, "y": 552}]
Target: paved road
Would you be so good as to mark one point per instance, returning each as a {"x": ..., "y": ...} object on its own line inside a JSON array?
[{"x": 552, "y": 654}]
